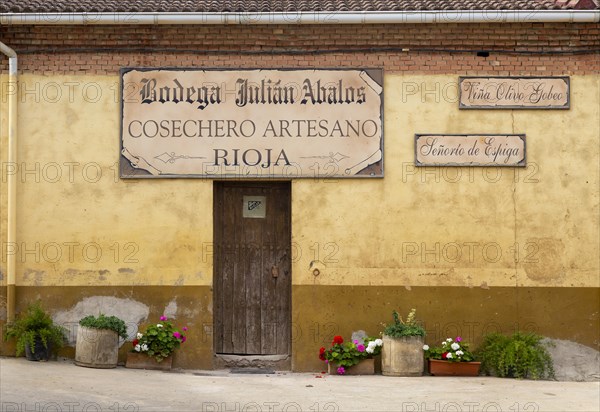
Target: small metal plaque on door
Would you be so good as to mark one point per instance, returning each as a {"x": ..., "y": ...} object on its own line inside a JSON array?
[{"x": 255, "y": 207}]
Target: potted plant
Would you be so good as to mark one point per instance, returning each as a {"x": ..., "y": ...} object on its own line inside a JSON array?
[
  {"x": 451, "y": 358},
  {"x": 35, "y": 333},
  {"x": 521, "y": 355},
  {"x": 98, "y": 341},
  {"x": 153, "y": 348},
  {"x": 351, "y": 358},
  {"x": 402, "y": 353}
]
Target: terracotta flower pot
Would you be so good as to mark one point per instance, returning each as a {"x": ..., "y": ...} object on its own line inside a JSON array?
[
  {"x": 364, "y": 367},
  {"x": 137, "y": 360},
  {"x": 445, "y": 368}
]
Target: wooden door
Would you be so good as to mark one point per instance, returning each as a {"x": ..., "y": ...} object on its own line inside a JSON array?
[{"x": 252, "y": 278}]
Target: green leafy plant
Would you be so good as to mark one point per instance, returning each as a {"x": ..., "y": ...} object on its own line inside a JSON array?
[
  {"x": 35, "y": 325},
  {"x": 518, "y": 356},
  {"x": 105, "y": 322},
  {"x": 451, "y": 350},
  {"x": 159, "y": 340},
  {"x": 401, "y": 328},
  {"x": 347, "y": 354}
]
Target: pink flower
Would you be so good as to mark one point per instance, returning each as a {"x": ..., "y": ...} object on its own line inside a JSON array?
[
  {"x": 458, "y": 339},
  {"x": 356, "y": 342},
  {"x": 177, "y": 335},
  {"x": 360, "y": 348},
  {"x": 184, "y": 328},
  {"x": 183, "y": 339},
  {"x": 341, "y": 370},
  {"x": 163, "y": 318},
  {"x": 326, "y": 361}
]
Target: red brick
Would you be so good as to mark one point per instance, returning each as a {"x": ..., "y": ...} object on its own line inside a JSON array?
[{"x": 222, "y": 45}]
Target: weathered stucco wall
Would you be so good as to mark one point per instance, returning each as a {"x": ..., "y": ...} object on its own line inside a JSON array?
[
  {"x": 474, "y": 227},
  {"x": 462, "y": 245},
  {"x": 78, "y": 223}
]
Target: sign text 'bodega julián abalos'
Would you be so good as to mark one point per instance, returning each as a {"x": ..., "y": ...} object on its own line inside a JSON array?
[{"x": 251, "y": 123}]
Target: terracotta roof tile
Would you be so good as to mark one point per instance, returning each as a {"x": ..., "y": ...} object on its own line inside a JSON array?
[{"x": 223, "y": 6}]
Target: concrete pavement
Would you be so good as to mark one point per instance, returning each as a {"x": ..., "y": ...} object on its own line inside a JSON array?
[{"x": 62, "y": 386}]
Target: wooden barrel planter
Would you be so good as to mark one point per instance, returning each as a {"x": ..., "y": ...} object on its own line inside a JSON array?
[
  {"x": 402, "y": 356},
  {"x": 96, "y": 348}
]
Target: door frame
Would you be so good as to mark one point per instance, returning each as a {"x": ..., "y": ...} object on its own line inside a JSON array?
[{"x": 281, "y": 361}]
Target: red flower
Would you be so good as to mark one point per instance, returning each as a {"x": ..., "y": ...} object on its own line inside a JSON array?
[
  {"x": 444, "y": 355},
  {"x": 338, "y": 340},
  {"x": 322, "y": 354},
  {"x": 135, "y": 342}
]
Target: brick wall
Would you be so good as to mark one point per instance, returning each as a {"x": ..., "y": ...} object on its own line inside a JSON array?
[{"x": 436, "y": 49}]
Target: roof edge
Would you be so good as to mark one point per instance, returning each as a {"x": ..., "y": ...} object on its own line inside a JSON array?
[{"x": 332, "y": 17}]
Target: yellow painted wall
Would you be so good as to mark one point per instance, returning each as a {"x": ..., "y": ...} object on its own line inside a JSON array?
[
  {"x": 407, "y": 229},
  {"x": 72, "y": 202},
  {"x": 462, "y": 226}
]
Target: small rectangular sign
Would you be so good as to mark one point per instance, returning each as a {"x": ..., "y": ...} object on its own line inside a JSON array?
[
  {"x": 470, "y": 150},
  {"x": 514, "y": 92},
  {"x": 255, "y": 207}
]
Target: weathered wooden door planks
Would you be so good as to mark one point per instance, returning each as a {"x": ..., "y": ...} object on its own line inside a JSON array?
[{"x": 252, "y": 278}]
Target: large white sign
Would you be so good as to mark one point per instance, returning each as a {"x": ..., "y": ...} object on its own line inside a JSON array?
[{"x": 251, "y": 123}]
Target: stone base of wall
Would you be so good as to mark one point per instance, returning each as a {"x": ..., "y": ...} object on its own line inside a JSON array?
[{"x": 321, "y": 312}]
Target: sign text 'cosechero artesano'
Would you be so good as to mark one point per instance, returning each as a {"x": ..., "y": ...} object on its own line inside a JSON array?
[
  {"x": 251, "y": 123},
  {"x": 514, "y": 92},
  {"x": 470, "y": 150}
]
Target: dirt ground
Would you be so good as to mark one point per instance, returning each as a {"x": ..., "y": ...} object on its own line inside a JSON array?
[{"x": 62, "y": 386}]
